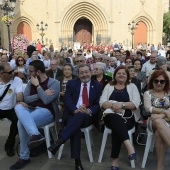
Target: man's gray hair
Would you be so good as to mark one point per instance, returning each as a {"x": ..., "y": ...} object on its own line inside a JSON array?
[{"x": 84, "y": 65}]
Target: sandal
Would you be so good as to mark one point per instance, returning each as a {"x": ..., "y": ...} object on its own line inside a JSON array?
[
  {"x": 114, "y": 168},
  {"x": 132, "y": 156}
]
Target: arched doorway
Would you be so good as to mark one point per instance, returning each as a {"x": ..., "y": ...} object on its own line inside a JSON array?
[
  {"x": 140, "y": 35},
  {"x": 83, "y": 31},
  {"x": 24, "y": 28}
]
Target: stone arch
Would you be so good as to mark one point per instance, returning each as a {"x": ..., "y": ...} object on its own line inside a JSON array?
[
  {"x": 19, "y": 18},
  {"x": 24, "y": 28},
  {"x": 150, "y": 27},
  {"x": 147, "y": 19},
  {"x": 92, "y": 11}
]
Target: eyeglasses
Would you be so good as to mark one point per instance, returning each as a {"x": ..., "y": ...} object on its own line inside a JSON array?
[
  {"x": 9, "y": 72},
  {"x": 159, "y": 81},
  {"x": 20, "y": 60},
  {"x": 79, "y": 61}
]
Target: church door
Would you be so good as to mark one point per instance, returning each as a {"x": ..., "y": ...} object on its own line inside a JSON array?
[{"x": 83, "y": 31}]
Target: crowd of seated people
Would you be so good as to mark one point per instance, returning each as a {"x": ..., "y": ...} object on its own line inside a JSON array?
[{"x": 91, "y": 82}]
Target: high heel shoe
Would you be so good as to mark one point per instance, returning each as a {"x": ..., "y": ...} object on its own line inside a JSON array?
[
  {"x": 114, "y": 168},
  {"x": 132, "y": 156}
]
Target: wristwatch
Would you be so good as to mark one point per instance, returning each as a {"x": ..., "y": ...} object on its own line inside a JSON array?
[{"x": 123, "y": 105}]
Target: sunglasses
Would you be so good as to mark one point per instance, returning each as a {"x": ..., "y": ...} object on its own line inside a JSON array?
[
  {"x": 79, "y": 54},
  {"x": 79, "y": 61},
  {"x": 159, "y": 81},
  {"x": 20, "y": 60},
  {"x": 9, "y": 72}
]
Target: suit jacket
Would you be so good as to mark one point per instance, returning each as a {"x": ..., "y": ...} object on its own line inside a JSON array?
[
  {"x": 106, "y": 79},
  {"x": 72, "y": 95},
  {"x": 50, "y": 73}
]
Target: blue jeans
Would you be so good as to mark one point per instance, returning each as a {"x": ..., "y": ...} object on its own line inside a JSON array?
[{"x": 29, "y": 120}]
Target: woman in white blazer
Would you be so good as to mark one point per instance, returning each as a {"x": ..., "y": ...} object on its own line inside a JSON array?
[{"x": 120, "y": 100}]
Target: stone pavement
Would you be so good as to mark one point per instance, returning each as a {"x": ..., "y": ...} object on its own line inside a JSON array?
[{"x": 66, "y": 163}]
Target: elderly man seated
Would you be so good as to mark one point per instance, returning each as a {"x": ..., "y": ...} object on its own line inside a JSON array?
[{"x": 11, "y": 92}]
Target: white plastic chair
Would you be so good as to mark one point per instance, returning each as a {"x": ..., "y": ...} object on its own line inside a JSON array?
[
  {"x": 88, "y": 139},
  {"x": 105, "y": 134},
  {"x": 47, "y": 137},
  {"x": 149, "y": 147}
]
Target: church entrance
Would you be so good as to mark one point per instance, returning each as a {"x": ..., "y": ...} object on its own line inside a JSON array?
[{"x": 83, "y": 31}]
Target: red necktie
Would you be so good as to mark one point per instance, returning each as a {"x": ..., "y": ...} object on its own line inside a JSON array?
[{"x": 85, "y": 95}]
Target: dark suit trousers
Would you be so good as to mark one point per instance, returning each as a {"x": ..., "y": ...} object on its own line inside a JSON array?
[
  {"x": 10, "y": 114},
  {"x": 119, "y": 131},
  {"x": 72, "y": 131}
]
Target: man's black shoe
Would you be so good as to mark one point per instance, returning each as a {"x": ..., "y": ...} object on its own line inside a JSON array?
[
  {"x": 54, "y": 148},
  {"x": 20, "y": 164},
  {"x": 10, "y": 152},
  {"x": 79, "y": 167},
  {"x": 36, "y": 140}
]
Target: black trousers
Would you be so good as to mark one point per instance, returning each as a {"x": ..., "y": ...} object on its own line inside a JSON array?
[
  {"x": 119, "y": 131},
  {"x": 11, "y": 115}
]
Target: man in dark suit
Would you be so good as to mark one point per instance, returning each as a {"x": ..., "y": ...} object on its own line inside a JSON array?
[
  {"x": 54, "y": 71},
  {"x": 81, "y": 105}
]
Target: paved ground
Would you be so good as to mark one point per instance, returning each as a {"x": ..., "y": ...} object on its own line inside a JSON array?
[{"x": 43, "y": 163}]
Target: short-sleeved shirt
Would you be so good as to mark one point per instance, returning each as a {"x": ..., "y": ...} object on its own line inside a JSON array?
[{"x": 9, "y": 100}]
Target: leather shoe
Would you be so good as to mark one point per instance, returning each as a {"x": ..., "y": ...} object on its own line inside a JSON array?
[
  {"x": 79, "y": 167},
  {"x": 54, "y": 148},
  {"x": 10, "y": 152}
]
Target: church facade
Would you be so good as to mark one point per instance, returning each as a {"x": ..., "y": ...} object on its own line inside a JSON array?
[{"x": 89, "y": 21}]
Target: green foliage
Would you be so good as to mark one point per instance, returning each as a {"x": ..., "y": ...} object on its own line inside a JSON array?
[{"x": 166, "y": 24}]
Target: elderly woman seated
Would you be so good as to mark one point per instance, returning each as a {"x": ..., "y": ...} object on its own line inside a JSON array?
[
  {"x": 99, "y": 74},
  {"x": 157, "y": 103},
  {"x": 120, "y": 99}
]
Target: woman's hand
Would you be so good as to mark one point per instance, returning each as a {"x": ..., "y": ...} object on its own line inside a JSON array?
[
  {"x": 167, "y": 113},
  {"x": 117, "y": 107},
  {"x": 157, "y": 116}
]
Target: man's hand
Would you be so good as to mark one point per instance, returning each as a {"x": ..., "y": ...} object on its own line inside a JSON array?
[
  {"x": 23, "y": 104},
  {"x": 82, "y": 108},
  {"x": 34, "y": 81},
  {"x": 49, "y": 92},
  {"x": 62, "y": 93}
]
